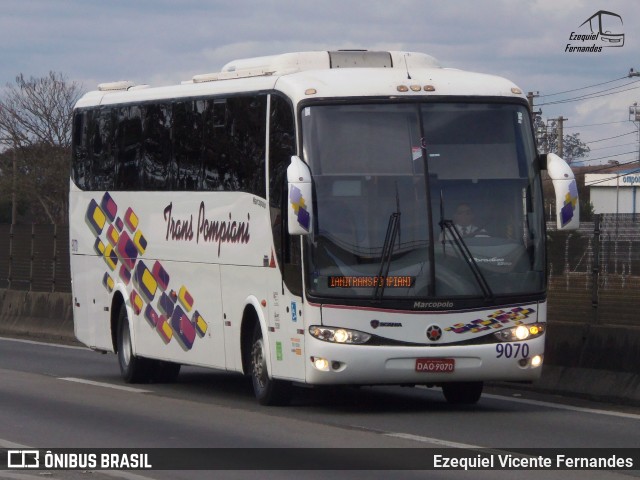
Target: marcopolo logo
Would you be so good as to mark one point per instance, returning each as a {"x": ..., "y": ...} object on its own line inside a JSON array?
[{"x": 601, "y": 30}]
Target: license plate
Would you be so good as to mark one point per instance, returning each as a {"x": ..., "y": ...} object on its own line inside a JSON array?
[{"x": 435, "y": 365}]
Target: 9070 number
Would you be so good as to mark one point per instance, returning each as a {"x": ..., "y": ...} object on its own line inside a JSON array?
[{"x": 512, "y": 350}]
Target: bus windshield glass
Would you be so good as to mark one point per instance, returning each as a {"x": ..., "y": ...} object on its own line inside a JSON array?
[{"x": 423, "y": 200}]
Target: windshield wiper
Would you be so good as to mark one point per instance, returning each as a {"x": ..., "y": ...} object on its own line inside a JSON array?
[
  {"x": 447, "y": 226},
  {"x": 393, "y": 228}
]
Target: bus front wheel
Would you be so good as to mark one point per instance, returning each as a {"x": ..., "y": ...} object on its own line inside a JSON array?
[
  {"x": 132, "y": 368},
  {"x": 267, "y": 390},
  {"x": 466, "y": 393}
]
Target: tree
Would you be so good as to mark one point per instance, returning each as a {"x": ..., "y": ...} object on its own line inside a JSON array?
[
  {"x": 35, "y": 130},
  {"x": 572, "y": 147}
]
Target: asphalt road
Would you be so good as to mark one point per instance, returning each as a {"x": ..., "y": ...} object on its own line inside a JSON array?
[{"x": 54, "y": 396}]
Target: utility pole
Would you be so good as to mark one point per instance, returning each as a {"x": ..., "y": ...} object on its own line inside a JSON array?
[
  {"x": 561, "y": 120},
  {"x": 530, "y": 97},
  {"x": 560, "y": 133},
  {"x": 634, "y": 111},
  {"x": 634, "y": 116}
]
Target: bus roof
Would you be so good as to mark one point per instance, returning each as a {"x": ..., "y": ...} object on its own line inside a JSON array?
[{"x": 303, "y": 75}]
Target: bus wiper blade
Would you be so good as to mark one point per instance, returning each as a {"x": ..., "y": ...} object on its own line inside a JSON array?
[
  {"x": 387, "y": 251},
  {"x": 466, "y": 253}
]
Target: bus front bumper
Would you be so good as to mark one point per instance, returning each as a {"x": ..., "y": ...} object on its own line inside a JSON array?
[{"x": 340, "y": 364}]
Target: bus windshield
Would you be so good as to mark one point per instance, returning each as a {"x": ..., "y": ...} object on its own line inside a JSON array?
[{"x": 423, "y": 200}]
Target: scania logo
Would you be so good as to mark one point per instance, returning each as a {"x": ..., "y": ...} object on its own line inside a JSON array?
[
  {"x": 434, "y": 333},
  {"x": 377, "y": 323}
]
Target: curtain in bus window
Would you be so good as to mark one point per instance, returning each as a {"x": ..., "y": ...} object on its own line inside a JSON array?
[
  {"x": 129, "y": 148},
  {"x": 157, "y": 147},
  {"x": 81, "y": 160},
  {"x": 234, "y": 144},
  {"x": 187, "y": 135},
  {"x": 246, "y": 127},
  {"x": 103, "y": 144},
  {"x": 213, "y": 128}
]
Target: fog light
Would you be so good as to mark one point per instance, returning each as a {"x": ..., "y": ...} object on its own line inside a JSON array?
[
  {"x": 536, "y": 361},
  {"x": 321, "y": 364}
]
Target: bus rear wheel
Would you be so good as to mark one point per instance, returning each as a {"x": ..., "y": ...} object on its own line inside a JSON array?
[
  {"x": 462, "y": 393},
  {"x": 132, "y": 368},
  {"x": 267, "y": 390}
]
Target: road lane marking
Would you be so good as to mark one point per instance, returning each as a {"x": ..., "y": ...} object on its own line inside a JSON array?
[
  {"x": 105, "y": 385},
  {"x": 434, "y": 441},
  {"x": 559, "y": 406},
  {"x": 45, "y": 344},
  {"x": 7, "y": 444}
]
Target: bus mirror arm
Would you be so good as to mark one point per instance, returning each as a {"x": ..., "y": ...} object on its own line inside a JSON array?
[
  {"x": 300, "y": 199},
  {"x": 542, "y": 161},
  {"x": 566, "y": 190}
]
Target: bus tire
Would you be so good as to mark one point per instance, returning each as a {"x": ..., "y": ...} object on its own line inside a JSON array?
[
  {"x": 267, "y": 390},
  {"x": 132, "y": 368},
  {"x": 462, "y": 393},
  {"x": 165, "y": 372}
]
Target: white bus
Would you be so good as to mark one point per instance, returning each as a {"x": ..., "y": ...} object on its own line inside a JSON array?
[{"x": 295, "y": 218}]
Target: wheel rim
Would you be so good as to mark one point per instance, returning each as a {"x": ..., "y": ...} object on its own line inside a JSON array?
[
  {"x": 259, "y": 365},
  {"x": 126, "y": 345}
]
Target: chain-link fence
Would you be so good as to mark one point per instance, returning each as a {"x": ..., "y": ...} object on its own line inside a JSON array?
[
  {"x": 594, "y": 273},
  {"x": 35, "y": 258}
]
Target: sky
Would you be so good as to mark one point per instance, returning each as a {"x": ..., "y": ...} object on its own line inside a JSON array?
[{"x": 162, "y": 42}]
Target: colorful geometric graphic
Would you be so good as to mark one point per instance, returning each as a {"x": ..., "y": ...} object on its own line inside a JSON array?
[
  {"x": 185, "y": 298},
  {"x": 201, "y": 325},
  {"x": 165, "y": 313},
  {"x": 145, "y": 281},
  {"x": 161, "y": 276},
  {"x": 136, "y": 302},
  {"x": 166, "y": 305},
  {"x": 497, "y": 319},
  {"x": 184, "y": 330},
  {"x": 109, "y": 206},
  {"x": 140, "y": 242},
  {"x": 110, "y": 257},
  {"x": 127, "y": 251},
  {"x": 570, "y": 201},
  {"x": 299, "y": 207},
  {"x": 95, "y": 218}
]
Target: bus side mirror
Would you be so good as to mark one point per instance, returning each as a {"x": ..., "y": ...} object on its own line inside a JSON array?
[
  {"x": 566, "y": 189},
  {"x": 300, "y": 201}
]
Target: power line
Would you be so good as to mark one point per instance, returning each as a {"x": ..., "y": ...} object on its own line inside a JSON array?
[
  {"x": 589, "y": 96},
  {"x": 584, "y": 88},
  {"x": 610, "y": 138},
  {"x": 614, "y": 155},
  {"x": 613, "y": 146},
  {"x": 597, "y": 124}
]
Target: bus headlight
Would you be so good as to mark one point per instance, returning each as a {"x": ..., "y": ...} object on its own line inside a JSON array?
[
  {"x": 339, "y": 335},
  {"x": 521, "y": 332}
]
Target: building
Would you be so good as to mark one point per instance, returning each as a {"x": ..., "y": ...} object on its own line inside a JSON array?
[{"x": 616, "y": 191}]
